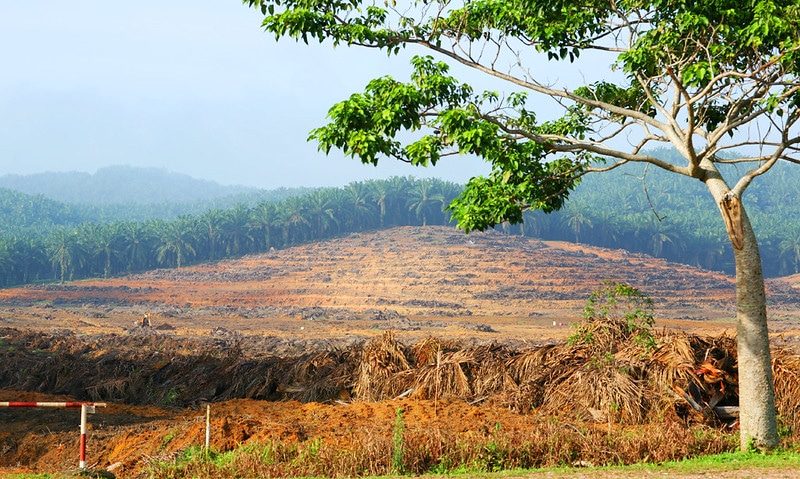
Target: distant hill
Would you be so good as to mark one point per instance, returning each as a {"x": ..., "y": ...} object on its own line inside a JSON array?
[
  {"x": 25, "y": 212},
  {"x": 38, "y": 202},
  {"x": 121, "y": 185}
]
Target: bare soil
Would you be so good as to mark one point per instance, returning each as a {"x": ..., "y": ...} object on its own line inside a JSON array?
[{"x": 418, "y": 282}]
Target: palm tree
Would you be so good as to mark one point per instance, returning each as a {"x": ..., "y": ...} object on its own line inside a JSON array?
[
  {"x": 359, "y": 211},
  {"x": 537, "y": 223},
  {"x": 6, "y": 262},
  {"x": 450, "y": 191},
  {"x": 65, "y": 252},
  {"x": 606, "y": 227},
  {"x": 28, "y": 257},
  {"x": 423, "y": 198},
  {"x": 380, "y": 192},
  {"x": 320, "y": 211},
  {"x": 212, "y": 222},
  {"x": 176, "y": 241},
  {"x": 576, "y": 220},
  {"x": 790, "y": 248},
  {"x": 236, "y": 228},
  {"x": 397, "y": 187},
  {"x": 100, "y": 241},
  {"x": 135, "y": 237},
  {"x": 263, "y": 218},
  {"x": 292, "y": 216}
]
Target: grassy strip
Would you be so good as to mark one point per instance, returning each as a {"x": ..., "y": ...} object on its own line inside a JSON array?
[
  {"x": 708, "y": 465},
  {"x": 420, "y": 451},
  {"x": 717, "y": 463}
]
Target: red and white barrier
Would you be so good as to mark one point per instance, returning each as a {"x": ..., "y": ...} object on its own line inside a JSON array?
[
  {"x": 86, "y": 408},
  {"x": 50, "y": 404}
]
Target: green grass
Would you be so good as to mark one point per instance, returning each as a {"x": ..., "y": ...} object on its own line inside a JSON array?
[
  {"x": 781, "y": 460},
  {"x": 729, "y": 461}
]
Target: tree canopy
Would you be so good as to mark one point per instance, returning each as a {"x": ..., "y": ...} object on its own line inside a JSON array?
[
  {"x": 706, "y": 78},
  {"x": 701, "y": 77}
]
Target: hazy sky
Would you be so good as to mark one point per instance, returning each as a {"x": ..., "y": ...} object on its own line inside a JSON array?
[{"x": 196, "y": 88}]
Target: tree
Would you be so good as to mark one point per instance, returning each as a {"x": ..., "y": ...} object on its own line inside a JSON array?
[
  {"x": 576, "y": 220},
  {"x": 790, "y": 247},
  {"x": 320, "y": 212},
  {"x": 99, "y": 242},
  {"x": 264, "y": 216},
  {"x": 65, "y": 252},
  {"x": 28, "y": 258},
  {"x": 6, "y": 262},
  {"x": 423, "y": 199},
  {"x": 357, "y": 203},
  {"x": 175, "y": 241},
  {"x": 292, "y": 217},
  {"x": 236, "y": 228},
  {"x": 135, "y": 237},
  {"x": 212, "y": 222},
  {"x": 381, "y": 192},
  {"x": 705, "y": 78}
]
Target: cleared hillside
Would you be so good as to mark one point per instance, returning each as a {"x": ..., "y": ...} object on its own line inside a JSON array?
[{"x": 418, "y": 272}]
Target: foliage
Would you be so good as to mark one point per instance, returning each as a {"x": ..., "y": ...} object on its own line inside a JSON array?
[
  {"x": 120, "y": 185},
  {"x": 616, "y": 312},
  {"x": 442, "y": 451},
  {"x": 728, "y": 65},
  {"x": 75, "y": 248}
]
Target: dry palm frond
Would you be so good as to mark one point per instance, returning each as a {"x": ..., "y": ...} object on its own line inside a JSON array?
[
  {"x": 672, "y": 364},
  {"x": 538, "y": 370},
  {"x": 786, "y": 377},
  {"x": 380, "y": 360},
  {"x": 309, "y": 368},
  {"x": 317, "y": 377},
  {"x": 425, "y": 351},
  {"x": 548, "y": 361},
  {"x": 604, "y": 391},
  {"x": 602, "y": 333},
  {"x": 524, "y": 398},
  {"x": 399, "y": 384},
  {"x": 530, "y": 363},
  {"x": 447, "y": 378},
  {"x": 489, "y": 376}
]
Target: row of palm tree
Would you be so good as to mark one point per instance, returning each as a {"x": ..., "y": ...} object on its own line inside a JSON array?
[
  {"x": 641, "y": 213},
  {"x": 106, "y": 249},
  {"x": 674, "y": 218}
]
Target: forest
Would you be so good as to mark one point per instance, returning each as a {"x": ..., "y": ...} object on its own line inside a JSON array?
[{"x": 632, "y": 208}]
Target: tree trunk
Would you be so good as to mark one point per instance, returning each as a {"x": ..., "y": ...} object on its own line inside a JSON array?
[
  {"x": 757, "y": 417},
  {"x": 756, "y": 392}
]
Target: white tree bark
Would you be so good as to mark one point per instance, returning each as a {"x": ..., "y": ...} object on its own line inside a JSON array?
[
  {"x": 756, "y": 391},
  {"x": 757, "y": 415}
]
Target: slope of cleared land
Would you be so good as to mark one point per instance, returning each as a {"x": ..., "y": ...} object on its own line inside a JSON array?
[{"x": 215, "y": 325}]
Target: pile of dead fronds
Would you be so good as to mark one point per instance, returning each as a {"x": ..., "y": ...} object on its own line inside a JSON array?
[{"x": 614, "y": 369}]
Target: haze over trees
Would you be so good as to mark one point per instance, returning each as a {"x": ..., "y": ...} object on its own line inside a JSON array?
[
  {"x": 120, "y": 184},
  {"x": 704, "y": 78},
  {"x": 62, "y": 246},
  {"x": 609, "y": 211}
]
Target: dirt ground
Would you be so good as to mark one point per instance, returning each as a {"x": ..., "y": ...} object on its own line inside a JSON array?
[{"x": 417, "y": 282}]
